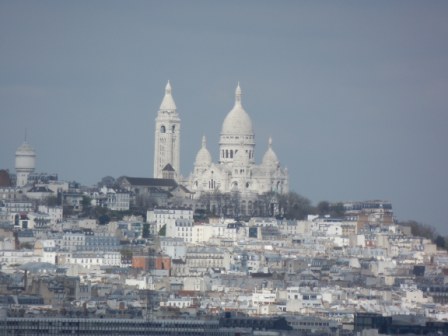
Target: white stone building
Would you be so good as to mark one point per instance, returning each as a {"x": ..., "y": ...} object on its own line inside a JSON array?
[
  {"x": 157, "y": 218},
  {"x": 236, "y": 169}
]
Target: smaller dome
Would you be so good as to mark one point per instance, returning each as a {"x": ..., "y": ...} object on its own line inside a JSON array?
[
  {"x": 270, "y": 158},
  {"x": 203, "y": 158}
]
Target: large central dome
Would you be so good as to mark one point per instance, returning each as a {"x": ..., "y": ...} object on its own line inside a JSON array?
[{"x": 237, "y": 121}]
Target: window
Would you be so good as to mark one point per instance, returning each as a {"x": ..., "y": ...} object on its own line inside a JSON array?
[{"x": 162, "y": 129}]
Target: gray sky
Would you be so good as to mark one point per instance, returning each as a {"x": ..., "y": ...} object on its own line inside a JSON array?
[{"x": 353, "y": 93}]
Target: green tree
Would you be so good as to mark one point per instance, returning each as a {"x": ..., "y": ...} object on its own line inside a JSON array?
[
  {"x": 86, "y": 202},
  {"x": 162, "y": 231}
]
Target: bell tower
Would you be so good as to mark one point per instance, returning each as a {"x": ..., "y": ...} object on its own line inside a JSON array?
[{"x": 167, "y": 136}]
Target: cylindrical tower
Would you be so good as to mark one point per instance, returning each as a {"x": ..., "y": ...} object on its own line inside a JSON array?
[{"x": 25, "y": 163}]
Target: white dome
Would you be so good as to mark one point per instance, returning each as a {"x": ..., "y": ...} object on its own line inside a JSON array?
[
  {"x": 203, "y": 158},
  {"x": 25, "y": 149},
  {"x": 270, "y": 158},
  {"x": 237, "y": 120}
]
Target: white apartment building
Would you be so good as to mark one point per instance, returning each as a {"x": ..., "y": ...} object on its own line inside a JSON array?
[
  {"x": 15, "y": 257},
  {"x": 201, "y": 258},
  {"x": 264, "y": 296},
  {"x": 157, "y": 218},
  {"x": 95, "y": 259},
  {"x": 180, "y": 228},
  {"x": 203, "y": 232},
  {"x": 178, "y": 302},
  {"x": 300, "y": 298},
  {"x": 55, "y": 213},
  {"x": 173, "y": 247}
]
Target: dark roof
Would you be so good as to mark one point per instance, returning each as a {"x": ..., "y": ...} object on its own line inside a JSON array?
[
  {"x": 184, "y": 189},
  {"x": 151, "y": 182},
  {"x": 168, "y": 167},
  {"x": 40, "y": 189}
]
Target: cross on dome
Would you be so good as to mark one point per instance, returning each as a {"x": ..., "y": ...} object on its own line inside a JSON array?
[{"x": 238, "y": 94}]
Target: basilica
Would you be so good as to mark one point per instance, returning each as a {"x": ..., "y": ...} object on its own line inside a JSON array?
[{"x": 236, "y": 170}]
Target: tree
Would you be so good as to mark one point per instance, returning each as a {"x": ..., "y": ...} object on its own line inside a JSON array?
[
  {"x": 86, "y": 203},
  {"x": 52, "y": 201},
  {"x": 323, "y": 208},
  {"x": 103, "y": 219},
  {"x": 440, "y": 242},
  {"x": 337, "y": 210},
  {"x": 295, "y": 206},
  {"x": 107, "y": 181},
  {"x": 162, "y": 231},
  {"x": 145, "y": 230},
  {"x": 420, "y": 230}
]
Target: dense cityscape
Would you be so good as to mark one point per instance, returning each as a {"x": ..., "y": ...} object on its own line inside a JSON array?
[{"x": 227, "y": 250}]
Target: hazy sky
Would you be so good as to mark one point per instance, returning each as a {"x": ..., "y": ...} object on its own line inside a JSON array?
[{"x": 353, "y": 93}]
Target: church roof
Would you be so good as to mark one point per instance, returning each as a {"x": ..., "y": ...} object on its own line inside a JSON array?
[
  {"x": 168, "y": 103},
  {"x": 151, "y": 182},
  {"x": 237, "y": 120}
]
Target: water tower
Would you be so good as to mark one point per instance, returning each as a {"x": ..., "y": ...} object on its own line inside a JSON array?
[{"x": 25, "y": 163}]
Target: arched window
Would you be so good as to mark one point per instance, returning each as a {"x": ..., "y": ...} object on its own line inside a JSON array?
[
  {"x": 162, "y": 129},
  {"x": 227, "y": 153},
  {"x": 231, "y": 153},
  {"x": 173, "y": 128}
]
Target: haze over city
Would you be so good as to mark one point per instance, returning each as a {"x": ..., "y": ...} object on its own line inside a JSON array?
[{"x": 352, "y": 93}]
